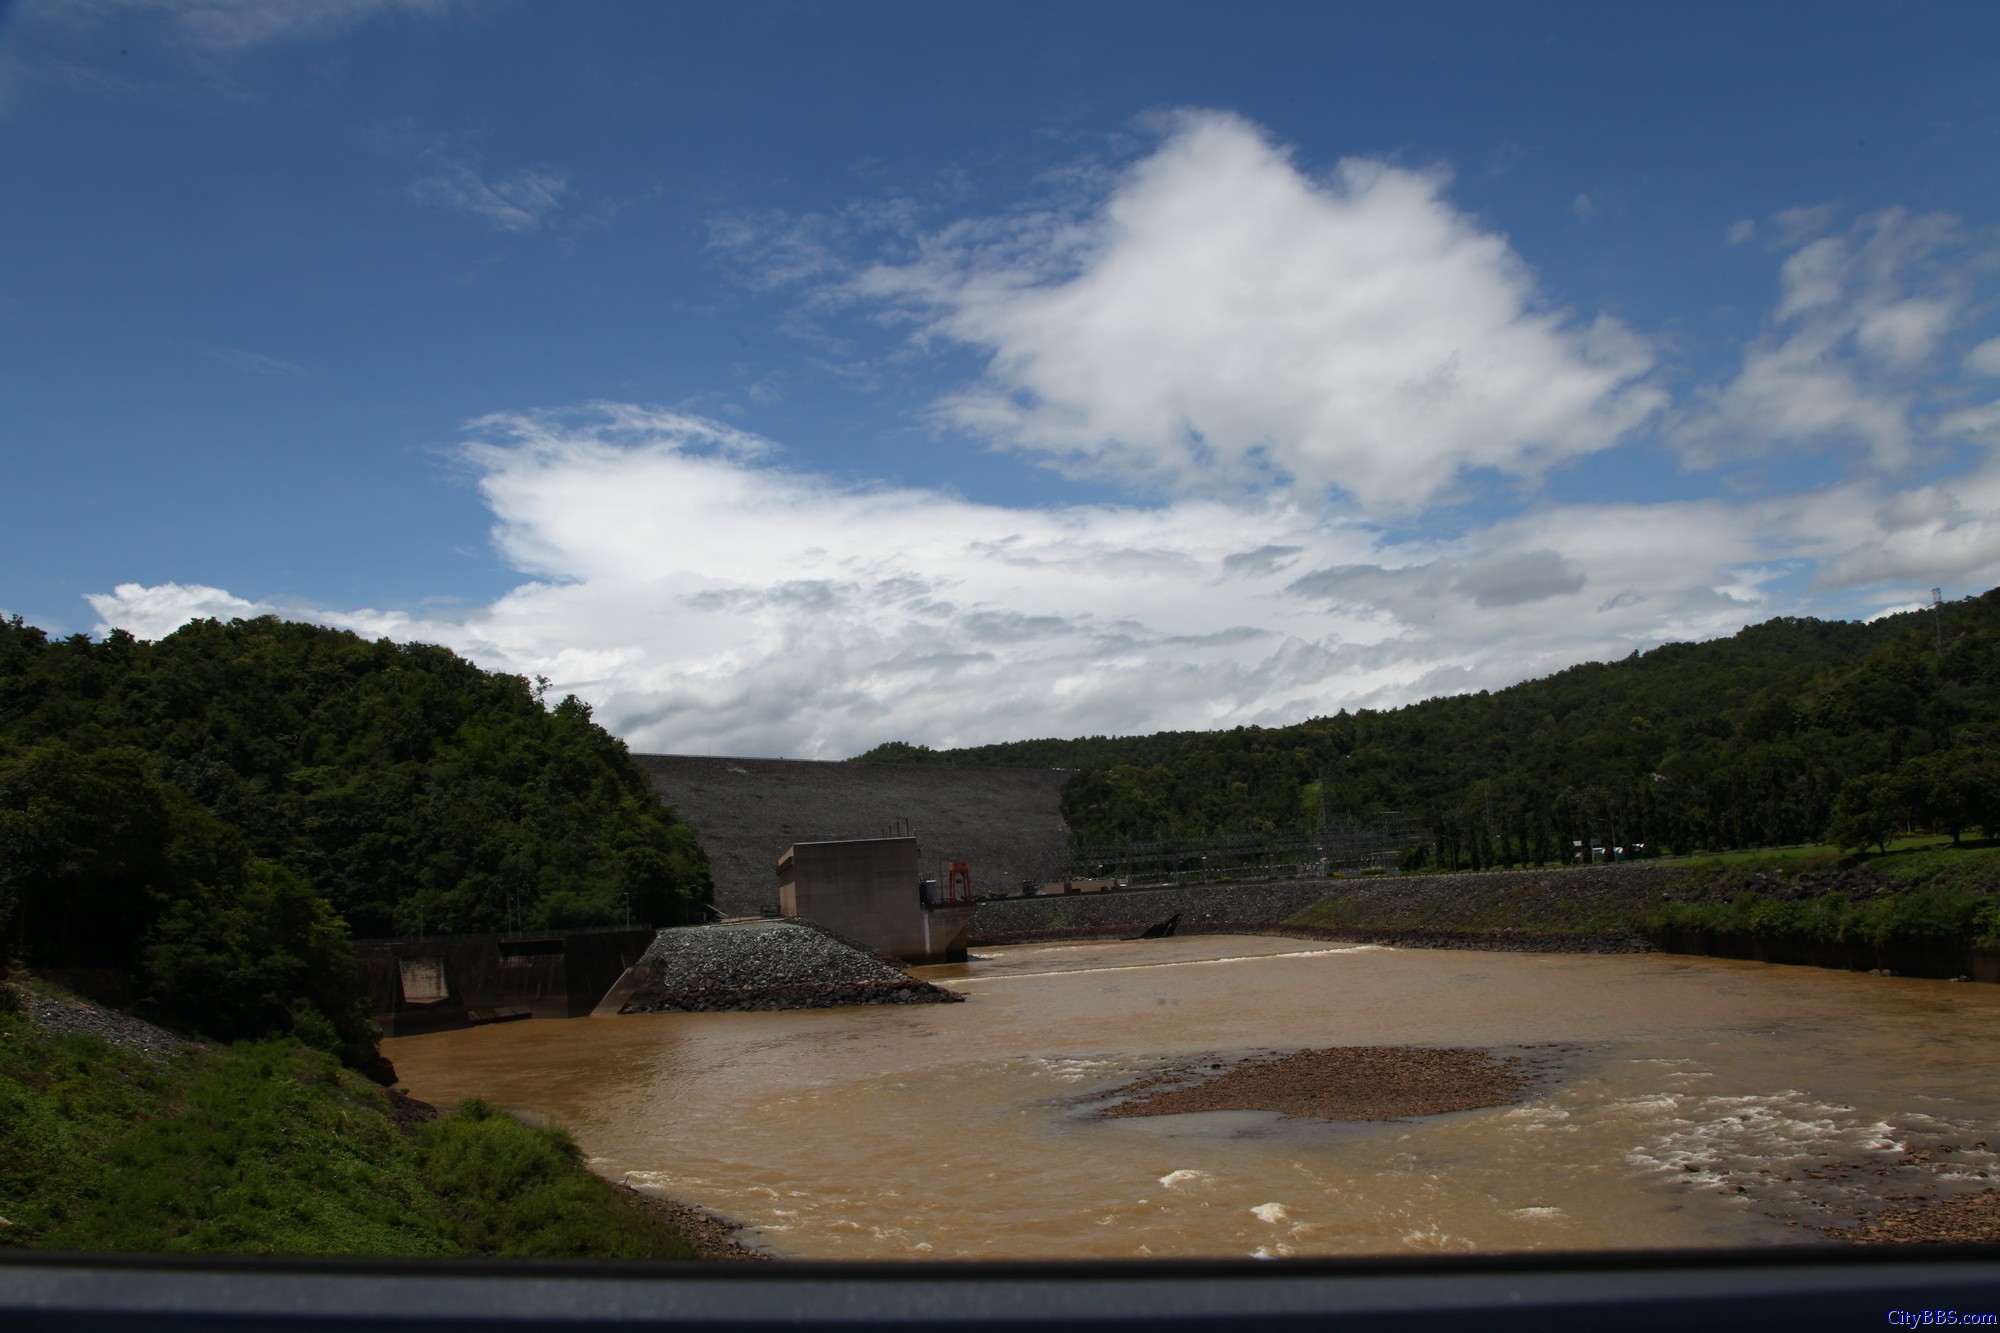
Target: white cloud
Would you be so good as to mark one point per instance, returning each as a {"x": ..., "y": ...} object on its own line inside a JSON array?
[
  {"x": 521, "y": 201},
  {"x": 159, "y": 610},
  {"x": 1985, "y": 358},
  {"x": 1851, "y": 349},
  {"x": 1861, "y": 535},
  {"x": 1224, "y": 319},
  {"x": 1215, "y": 327},
  {"x": 706, "y": 599},
  {"x": 1742, "y": 232}
]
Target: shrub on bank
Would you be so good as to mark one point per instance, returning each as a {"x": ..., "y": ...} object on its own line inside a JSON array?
[
  {"x": 1925, "y": 899},
  {"x": 522, "y": 1191},
  {"x": 1931, "y": 917},
  {"x": 272, "y": 1147}
]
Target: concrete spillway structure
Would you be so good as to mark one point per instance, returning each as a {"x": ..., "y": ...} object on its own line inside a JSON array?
[
  {"x": 455, "y": 981},
  {"x": 869, "y": 890}
]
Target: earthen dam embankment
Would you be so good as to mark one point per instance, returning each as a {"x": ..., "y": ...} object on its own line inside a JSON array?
[
  {"x": 1575, "y": 910},
  {"x": 1581, "y": 909}
]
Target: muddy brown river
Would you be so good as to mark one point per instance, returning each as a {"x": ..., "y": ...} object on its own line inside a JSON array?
[{"x": 1682, "y": 1102}]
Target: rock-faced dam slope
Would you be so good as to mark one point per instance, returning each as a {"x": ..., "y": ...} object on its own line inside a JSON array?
[
  {"x": 1586, "y": 909},
  {"x": 1006, "y": 823}
]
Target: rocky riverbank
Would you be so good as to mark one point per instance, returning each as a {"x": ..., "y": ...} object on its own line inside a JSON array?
[
  {"x": 1209, "y": 909},
  {"x": 1899, "y": 914},
  {"x": 1581, "y": 909},
  {"x": 713, "y": 1237},
  {"x": 762, "y": 965},
  {"x": 56, "y": 1015}
]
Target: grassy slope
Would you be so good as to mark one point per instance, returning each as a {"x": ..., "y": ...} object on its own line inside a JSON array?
[
  {"x": 273, "y": 1148},
  {"x": 1919, "y": 893},
  {"x": 1927, "y": 894}
]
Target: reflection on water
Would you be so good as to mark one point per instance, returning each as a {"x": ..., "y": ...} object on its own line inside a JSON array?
[{"x": 963, "y": 1130}]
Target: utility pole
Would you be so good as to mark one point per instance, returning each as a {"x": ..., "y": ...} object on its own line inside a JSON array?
[{"x": 1937, "y": 615}]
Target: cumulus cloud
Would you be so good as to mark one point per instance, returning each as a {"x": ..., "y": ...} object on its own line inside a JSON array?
[
  {"x": 1283, "y": 365},
  {"x": 1850, "y": 352},
  {"x": 1225, "y": 319},
  {"x": 156, "y": 611},
  {"x": 520, "y": 201},
  {"x": 705, "y": 597}
]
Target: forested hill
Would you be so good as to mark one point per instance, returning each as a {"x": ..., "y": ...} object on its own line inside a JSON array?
[
  {"x": 1733, "y": 742},
  {"x": 205, "y": 819},
  {"x": 405, "y": 784}
]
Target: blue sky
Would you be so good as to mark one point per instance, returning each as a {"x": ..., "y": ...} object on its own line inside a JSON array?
[{"x": 785, "y": 378}]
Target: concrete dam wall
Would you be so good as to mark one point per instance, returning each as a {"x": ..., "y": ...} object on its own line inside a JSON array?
[{"x": 1005, "y": 822}]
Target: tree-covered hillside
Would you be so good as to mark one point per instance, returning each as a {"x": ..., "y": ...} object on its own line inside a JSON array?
[
  {"x": 200, "y": 823},
  {"x": 1778, "y": 734},
  {"x": 404, "y": 784}
]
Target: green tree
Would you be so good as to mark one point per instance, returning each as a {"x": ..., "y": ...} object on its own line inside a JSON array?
[
  {"x": 105, "y": 868},
  {"x": 1864, "y": 814},
  {"x": 259, "y": 957},
  {"x": 402, "y": 783},
  {"x": 86, "y": 845}
]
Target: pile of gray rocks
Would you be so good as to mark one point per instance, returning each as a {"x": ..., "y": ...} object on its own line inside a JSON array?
[
  {"x": 60, "y": 1016},
  {"x": 769, "y": 965}
]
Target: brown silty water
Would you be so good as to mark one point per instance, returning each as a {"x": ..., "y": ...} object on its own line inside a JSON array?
[{"x": 1683, "y": 1102}]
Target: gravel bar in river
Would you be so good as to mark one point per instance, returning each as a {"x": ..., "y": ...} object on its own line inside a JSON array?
[{"x": 1339, "y": 1083}]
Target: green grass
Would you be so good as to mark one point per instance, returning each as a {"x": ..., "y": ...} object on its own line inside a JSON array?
[
  {"x": 1907, "y": 858},
  {"x": 1936, "y": 895},
  {"x": 273, "y": 1148},
  {"x": 523, "y": 1190}
]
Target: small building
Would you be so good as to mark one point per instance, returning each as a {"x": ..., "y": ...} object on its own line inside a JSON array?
[{"x": 872, "y": 891}]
